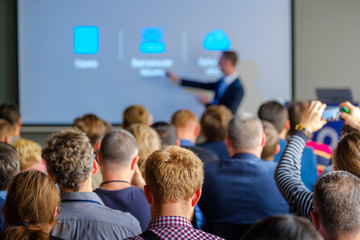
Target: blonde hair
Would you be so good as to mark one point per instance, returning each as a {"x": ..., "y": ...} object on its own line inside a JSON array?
[
  {"x": 173, "y": 173},
  {"x": 182, "y": 118},
  {"x": 31, "y": 200},
  {"x": 136, "y": 114},
  {"x": 29, "y": 152},
  {"x": 148, "y": 141}
]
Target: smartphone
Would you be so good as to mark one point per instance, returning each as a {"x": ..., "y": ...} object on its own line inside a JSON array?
[{"x": 332, "y": 114}]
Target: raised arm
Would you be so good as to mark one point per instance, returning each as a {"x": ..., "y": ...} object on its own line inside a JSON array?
[{"x": 287, "y": 174}]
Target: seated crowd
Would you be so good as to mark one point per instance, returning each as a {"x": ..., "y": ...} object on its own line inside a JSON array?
[{"x": 221, "y": 176}]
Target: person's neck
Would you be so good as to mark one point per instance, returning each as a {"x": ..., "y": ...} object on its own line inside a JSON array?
[
  {"x": 256, "y": 152},
  {"x": 174, "y": 208},
  {"x": 84, "y": 187},
  {"x": 187, "y": 135},
  {"x": 229, "y": 71},
  {"x": 283, "y": 133},
  {"x": 112, "y": 176}
]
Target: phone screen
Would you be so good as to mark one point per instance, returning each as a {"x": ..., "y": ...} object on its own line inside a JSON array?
[{"x": 331, "y": 114}]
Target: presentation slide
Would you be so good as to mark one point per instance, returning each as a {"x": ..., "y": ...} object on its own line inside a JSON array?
[{"x": 101, "y": 56}]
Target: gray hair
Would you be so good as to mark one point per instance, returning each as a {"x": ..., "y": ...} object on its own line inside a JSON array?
[
  {"x": 337, "y": 203},
  {"x": 244, "y": 131},
  {"x": 69, "y": 157},
  {"x": 9, "y": 164},
  {"x": 118, "y": 147}
]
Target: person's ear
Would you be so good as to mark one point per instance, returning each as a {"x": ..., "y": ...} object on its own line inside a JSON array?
[
  {"x": 263, "y": 140},
  {"x": 99, "y": 159},
  {"x": 55, "y": 212},
  {"x": 148, "y": 195},
  {"x": 197, "y": 130},
  {"x": 95, "y": 167},
  {"x": 134, "y": 161},
  {"x": 97, "y": 146},
  {"x": 177, "y": 142},
  {"x": 196, "y": 197},
  {"x": 277, "y": 149},
  {"x": 7, "y": 139},
  {"x": 315, "y": 219},
  {"x": 335, "y": 168},
  {"x": 287, "y": 125}
]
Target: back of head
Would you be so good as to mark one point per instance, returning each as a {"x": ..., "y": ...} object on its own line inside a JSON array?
[
  {"x": 9, "y": 164},
  {"x": 166, "y": 131},
  {"x": 173, "y": 174},
  {"x": 244, "y": 132},
  {"x": 148, "y": 141},
  {"x": 94, "y": 127},
  {"x": 214, "y": 122},
  {"x": 275, "y": 113},
  {"x": 6, "y": 131},
  {"x": 232, "y": 56},
  {"x": 183, "y": 119},
  {"x": 272, "y": 140},
  {"x": 30, "y": 204},
  {"x": 282, "y": 228},
  {"x": 29, "y": 152},
  {"x": 296, "y": 110},
  {"x": 9, "y": 112},
  {"x": 136, "y": 114},
  {"x": 118, "y": 149},
  {"x": 69, "y": 157},
  {"x": 337, "y": 203},
  {"x": 346, "y": 155}
]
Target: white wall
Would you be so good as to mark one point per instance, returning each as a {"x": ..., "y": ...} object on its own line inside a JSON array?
[{"x": 327, "y": 46}]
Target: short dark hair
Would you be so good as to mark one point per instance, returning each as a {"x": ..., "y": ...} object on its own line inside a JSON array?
[
  {"x": 214, "y": 122},
  {"x": 282, "y": 227},
  {"x": 336, "y": 201},
  {"x": 231, "y": 55},
  {"x": 10, "y": 112},
  {"x": 275, "y": 113},
  {"x": 118, "y": 147},
  {"x": 9, "y": 164},
  {"x": 166, "y": 131}
]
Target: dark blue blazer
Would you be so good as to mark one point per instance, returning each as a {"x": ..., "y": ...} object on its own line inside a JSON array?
[
  {"x": 241, "y": 190},
  {"x": 218, "y": 147},
  {"x": 231, "y": 97}
]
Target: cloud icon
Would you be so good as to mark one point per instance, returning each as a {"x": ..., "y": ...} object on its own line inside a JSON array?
[{"x": 216, "y": 41}]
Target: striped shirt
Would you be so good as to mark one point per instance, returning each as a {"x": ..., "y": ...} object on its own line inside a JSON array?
[
  {"x": 175, "y": 227},
  {"x": 288, "y": 179}
]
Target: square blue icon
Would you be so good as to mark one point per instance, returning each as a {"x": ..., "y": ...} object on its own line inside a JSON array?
[{"x": 86, "y": 40}]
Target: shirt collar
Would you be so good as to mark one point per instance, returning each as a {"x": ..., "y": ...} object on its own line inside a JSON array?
[
  {"x": 186, "y": 143},
  {"x": 167, "y": 221},
  {"x": 245, "y": 156},
  {"x": 3, "y": 194},
  {"x": 230, "y": 78},
  {"x": 81, "y": 196}
]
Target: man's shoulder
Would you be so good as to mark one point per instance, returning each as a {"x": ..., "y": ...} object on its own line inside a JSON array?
[{"x": 204, "y": 154}]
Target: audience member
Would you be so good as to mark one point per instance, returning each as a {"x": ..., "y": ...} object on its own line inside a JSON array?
[
  {"x": 148, "y": 141},
  {"x": 9, "y": 167},
  {"x": 240, "y": 191},
  {"x": 30, "y": 207},
  {"x": 70, "y": 163},
  {"x": 167, "y": 133},
  {"x": 174, "y": 177},
  {"x": 29, "y": 155},
  {"x": 321, "y": 150},
  {"x": 136, "y": 114},
  {"x": 278, "y": 115},
  {"x": 10, "y": 112},
  {"x": 346, "y": 158},
  {"x": 187, "y": 130},
  {"x": 283, "y": 227},
  {"x": 213, "y": 123},
  {"x": 6, "y": 132},
  {"x": 118, "y": 158},
  {"x": 272, "y": 146},
  {"x": 95, "y": 129}
]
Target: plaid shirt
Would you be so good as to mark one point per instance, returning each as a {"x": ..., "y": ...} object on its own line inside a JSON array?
[{"x": 174, "y": 227}]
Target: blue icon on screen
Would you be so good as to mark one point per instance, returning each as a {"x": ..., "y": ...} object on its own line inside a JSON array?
[
  {"x": 86, "y": 40},
  {"x": 216, "y": 41},
  {"x": 152, "y": 40}
]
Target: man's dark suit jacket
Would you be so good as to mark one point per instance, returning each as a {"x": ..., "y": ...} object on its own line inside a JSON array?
[
  {"x": 231, "y": 97},
  {"x": 218, "y": 147}
]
